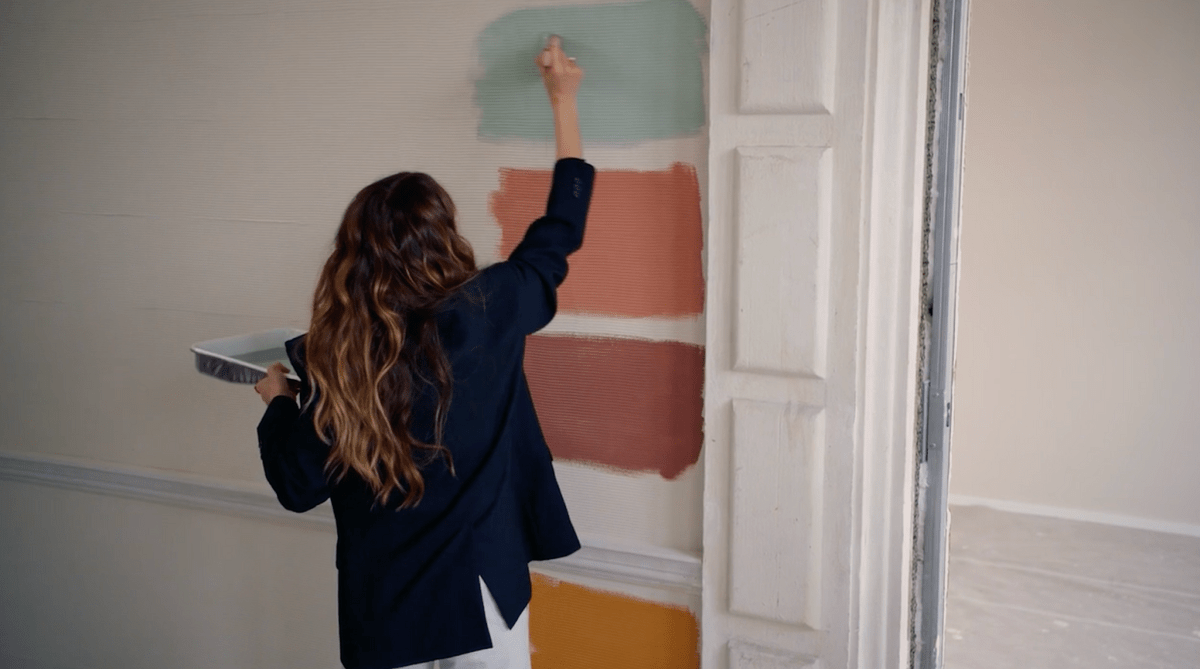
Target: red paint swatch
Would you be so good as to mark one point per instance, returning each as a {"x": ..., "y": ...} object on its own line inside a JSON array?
[
  {"x": 641, "y": 251},
  {"x": 624, "y": 403}
]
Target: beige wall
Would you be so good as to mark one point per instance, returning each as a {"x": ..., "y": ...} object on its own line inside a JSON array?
[
  {"x": 172, "y": 172},
  {"x": 102, "y": 581},
  {"x": 1079, "y": 331}
]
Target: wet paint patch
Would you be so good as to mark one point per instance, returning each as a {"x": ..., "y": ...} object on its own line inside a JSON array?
[
  {"x": 642, "y": 62},
  {"x": 583, "y": 628},
  {"x": 623, "y": 403},
  {"x": 641, "y": 253}
]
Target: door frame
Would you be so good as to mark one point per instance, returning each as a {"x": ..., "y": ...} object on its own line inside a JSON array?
[
  {"x": 938, "y": 329},
  {"x": 890, "y": 317},
  {"x": 877, "y": 124}
]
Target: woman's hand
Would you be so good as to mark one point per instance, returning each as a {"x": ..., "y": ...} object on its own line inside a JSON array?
[
  {"x": 560, "y": 74},
  {"x": 274, "y": 384}
]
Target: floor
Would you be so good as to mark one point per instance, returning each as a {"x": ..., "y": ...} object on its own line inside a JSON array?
[{"x": 1029, "y": 592}]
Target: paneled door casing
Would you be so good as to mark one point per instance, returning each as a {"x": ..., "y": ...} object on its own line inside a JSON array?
[{"x": 815, "y": 162}]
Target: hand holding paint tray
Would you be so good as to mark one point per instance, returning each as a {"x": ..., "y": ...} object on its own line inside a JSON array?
[{"x": 245, "y": 358}]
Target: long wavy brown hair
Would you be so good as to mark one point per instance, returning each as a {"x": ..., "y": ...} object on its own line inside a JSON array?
[{"x": 373, "y": 343}]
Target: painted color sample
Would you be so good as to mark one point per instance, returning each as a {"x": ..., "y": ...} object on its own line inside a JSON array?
[
  {"x": 642, "y": 62},
  {"x": 582, "y": 628},
  {"x": 624, "y": 403},
  {"x": 641, "y": 252}
]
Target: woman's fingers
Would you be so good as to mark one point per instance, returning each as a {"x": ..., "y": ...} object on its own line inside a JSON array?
[
  {"x": 275, "y": 383},
  {"x": 560, "y": 74},
  {"x": 552, "y": 57},
  {"x": 546, "y": 58}
]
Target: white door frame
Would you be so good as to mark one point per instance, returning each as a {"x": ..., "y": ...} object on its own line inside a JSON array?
[
  {"x": 817, "y": 136},
  {"x": 931, "y": 550}
]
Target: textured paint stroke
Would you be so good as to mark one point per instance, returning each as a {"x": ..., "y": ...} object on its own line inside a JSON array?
[
  {"x": 624, "y": 403},
  {"x": 642, "y": 252},
  {"x": 642, "y": 61},
  {"x": 582, "y": 628}
]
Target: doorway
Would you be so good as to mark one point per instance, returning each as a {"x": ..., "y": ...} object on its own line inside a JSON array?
[{"x": 1072, "y": 527}]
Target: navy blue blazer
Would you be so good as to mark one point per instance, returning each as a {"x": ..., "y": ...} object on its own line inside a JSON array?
[{"x": 408, "y": 580}]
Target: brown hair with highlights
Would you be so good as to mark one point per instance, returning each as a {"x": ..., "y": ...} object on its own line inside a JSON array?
[{"x": 373, "y": 343}]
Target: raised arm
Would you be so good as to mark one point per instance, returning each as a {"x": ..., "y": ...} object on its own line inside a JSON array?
[
  {"x": 538, "y": 265},
  {"x": 561, "y": 76}
]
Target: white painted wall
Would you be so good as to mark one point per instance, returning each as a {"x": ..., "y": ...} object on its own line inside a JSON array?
[
  {"x": 175, "y": 171},
  {"x": 102, "y": 581},
  {"x": 1079, "y": 332},
  {"x": 171, "y": 172}
]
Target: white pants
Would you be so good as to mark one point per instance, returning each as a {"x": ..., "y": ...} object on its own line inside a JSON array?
[{"x": 510, "y": 648}]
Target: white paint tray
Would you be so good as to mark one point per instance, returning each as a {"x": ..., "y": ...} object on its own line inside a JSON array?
[{"x": 245, "y": 358}]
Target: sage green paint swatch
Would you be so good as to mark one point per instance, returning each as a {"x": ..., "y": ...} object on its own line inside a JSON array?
[{"x": 642, "y": 61}]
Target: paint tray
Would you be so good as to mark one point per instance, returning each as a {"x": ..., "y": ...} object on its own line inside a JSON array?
[{"x": 245, "y": 358}]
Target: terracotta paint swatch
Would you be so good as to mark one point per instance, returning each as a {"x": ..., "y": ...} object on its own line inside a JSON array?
[
  {"x": 578, "y": 627},
  {"x": 624, "y": 403},
  {"x": 644, "y": 63},
  {"x": 641, "y": 251}
]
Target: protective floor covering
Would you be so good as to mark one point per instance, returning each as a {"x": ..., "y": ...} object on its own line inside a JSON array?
[{"x": 1038, "y": 593}]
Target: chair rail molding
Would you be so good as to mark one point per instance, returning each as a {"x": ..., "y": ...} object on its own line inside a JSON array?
[{"x": 626, "y": 564}]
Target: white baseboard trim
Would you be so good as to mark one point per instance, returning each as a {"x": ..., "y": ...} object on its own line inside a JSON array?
[
  {"x": 1165, "y": 526},
  {"x": 606, "y": 561},
  {"x": 636, "y": 565}
]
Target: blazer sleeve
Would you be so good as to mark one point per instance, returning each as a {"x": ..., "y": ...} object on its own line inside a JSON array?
[
  {"x": 539, "y": 263},
  {"x": 293, "y": 456}
]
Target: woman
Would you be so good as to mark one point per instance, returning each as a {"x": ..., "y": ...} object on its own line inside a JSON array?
[{"x": 416, "y": 421}]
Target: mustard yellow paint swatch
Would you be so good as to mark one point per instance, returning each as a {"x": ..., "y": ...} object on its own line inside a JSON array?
[{"x": 582, "y": 628}]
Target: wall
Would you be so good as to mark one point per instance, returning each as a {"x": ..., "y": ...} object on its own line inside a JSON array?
[
  {"x": 1080, "y": 290},
  {"x": 102, "y": 581},
  {"x": 174, "y": 172}
]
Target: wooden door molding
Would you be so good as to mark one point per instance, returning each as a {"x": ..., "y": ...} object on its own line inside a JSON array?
[{"x": 816, "y": 164}]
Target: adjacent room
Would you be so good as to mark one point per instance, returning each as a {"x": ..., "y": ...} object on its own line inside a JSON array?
[{"x": 1075, "y": 473}]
